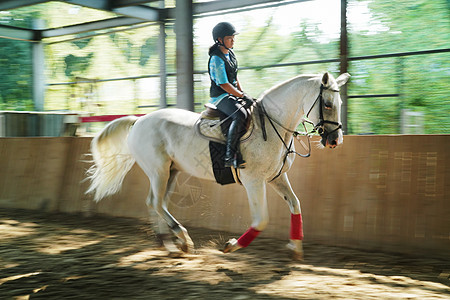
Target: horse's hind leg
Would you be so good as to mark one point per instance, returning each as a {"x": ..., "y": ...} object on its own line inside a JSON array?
[
  {"x": 161, "y": 229},
  {"x": 158, "y": 197},
  {"x": 184, "y": 240},
  {"x": 282, "y": 186}
]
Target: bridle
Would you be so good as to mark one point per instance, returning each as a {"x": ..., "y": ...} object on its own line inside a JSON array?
[
  {"x": 320, "y": 126},
  {"x": 317, "y": 128}
]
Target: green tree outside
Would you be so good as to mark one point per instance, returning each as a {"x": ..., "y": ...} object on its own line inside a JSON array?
[{"x": 389, "y": 27}]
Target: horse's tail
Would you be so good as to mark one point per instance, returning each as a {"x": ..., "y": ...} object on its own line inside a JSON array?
[{"x": 111, "y": 157}]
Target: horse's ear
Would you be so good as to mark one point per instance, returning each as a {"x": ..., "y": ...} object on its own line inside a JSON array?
[
  {"x": 325, "y": 79},
  {"x": 342, "y": 79}
]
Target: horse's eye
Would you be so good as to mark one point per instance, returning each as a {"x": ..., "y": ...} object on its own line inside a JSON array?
[{"x": 328, "y": 105}]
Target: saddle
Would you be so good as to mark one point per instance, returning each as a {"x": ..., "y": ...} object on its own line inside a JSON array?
[{"x": 213, "y": 124}]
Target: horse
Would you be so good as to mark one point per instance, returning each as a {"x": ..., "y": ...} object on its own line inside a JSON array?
[{"x": 164, "y": 143}]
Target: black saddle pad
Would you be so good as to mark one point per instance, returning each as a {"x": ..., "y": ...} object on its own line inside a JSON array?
[{"x": 222, "y": 174}]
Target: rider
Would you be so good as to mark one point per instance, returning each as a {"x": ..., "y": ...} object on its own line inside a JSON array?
[{"x": 225, "y": 89}]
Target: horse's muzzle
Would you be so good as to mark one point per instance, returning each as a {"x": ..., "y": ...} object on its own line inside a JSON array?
[
  {"x": 332, "y": 144},
  {"x": 332, "y": 140}
]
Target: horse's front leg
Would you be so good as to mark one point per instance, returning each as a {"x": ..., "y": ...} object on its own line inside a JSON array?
[
  {"x": 256, "y": 192},
  {"x": 282, "y": 186}
]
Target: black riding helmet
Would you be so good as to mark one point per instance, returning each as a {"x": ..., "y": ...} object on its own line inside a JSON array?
[{"x": 223, "y": 29}]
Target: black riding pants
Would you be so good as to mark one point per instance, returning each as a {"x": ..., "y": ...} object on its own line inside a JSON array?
[
  {"x": 238, "y": 114},
  {"x": 231, "y": 107}
]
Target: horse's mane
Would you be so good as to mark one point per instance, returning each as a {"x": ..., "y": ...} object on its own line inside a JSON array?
[{"x": 286, "y": 82}]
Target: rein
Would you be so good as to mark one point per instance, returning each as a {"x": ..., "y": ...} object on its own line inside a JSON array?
[
  {"x": 318, "y": 128},
  {"x": 263, "y": 113},
  {"x": 294, "y": 133}
]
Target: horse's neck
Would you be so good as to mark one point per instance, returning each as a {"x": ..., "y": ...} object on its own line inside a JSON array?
[{"x": 287, "y": 102}]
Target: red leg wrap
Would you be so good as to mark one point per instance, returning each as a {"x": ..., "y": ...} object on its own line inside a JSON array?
[
  {"x": 296, "y": 227},
  {"x": 248, "y": 237}
]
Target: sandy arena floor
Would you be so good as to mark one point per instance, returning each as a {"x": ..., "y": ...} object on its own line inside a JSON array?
[{"x": 57, "y": 256}]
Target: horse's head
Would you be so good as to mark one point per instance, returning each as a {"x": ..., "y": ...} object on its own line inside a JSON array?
[{"x": 328, "y": 109}]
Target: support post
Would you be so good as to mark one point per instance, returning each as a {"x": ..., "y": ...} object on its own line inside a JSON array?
[
  {"x": 38, "y": 67},
  {"x": 185, "y": 54},
  {"x": 162, "y": 60},
  {"x": 344, "y": 65},
  {"x": 400, "y": 83}
]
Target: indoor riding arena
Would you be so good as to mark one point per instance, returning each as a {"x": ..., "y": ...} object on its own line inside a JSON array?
[
  {"x": 375, "y": 209},
  {"x": 375, "y": 221}
]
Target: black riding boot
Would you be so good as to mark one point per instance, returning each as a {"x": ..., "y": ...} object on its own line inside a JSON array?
[{"x": 233, "y": 157}]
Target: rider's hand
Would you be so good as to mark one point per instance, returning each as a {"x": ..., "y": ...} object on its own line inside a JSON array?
[{"x": 248, "y": 101}]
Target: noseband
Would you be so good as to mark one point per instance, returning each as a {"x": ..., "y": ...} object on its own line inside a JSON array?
[{"x": 320, "y": 126}]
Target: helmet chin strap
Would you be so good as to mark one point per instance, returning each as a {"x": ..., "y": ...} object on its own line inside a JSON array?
[{"x": 222, "y": 44}]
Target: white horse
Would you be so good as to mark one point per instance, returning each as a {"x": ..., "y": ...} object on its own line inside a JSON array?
[{"x": 164, "y": 143}]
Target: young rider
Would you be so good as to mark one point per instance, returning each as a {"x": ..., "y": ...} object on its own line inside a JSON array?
[{"x": 225, "y": 89}]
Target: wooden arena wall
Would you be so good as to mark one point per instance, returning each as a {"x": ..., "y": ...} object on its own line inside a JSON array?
[{"x": 387, "y": 193}]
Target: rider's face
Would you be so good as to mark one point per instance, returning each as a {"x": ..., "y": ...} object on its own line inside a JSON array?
[{"x": 228, "y": 41}]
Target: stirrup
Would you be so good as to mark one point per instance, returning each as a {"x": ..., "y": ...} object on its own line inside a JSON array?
[
  {"x": 235, "y": 163},
  {"x": 240, "y": 162},
  {"x": 241, "y": 165}
]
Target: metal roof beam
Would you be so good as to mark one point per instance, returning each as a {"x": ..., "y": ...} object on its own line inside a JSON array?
[
  {"x": 122, "y": 7},
  {"x": 122, "y": 3},
  {"x": 91, "y": 26},
  {"x": 16, "y": 33},
  {"x": 224, "y": 6},
  {"x": 96, "y": 4},
  {"x": 140, "y": 12},
  {"x": 11, "y": 4},
  {"x": 214, "y": 6}
]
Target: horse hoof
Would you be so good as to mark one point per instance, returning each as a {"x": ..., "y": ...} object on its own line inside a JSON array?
[
  {"x": 227, "y": 248},
  {"x": 183, "y": 240},
  {"x": 175, "y": 254},
  {"x": 185, "y": 246},
  {"x": 162, "y": 240},
  {"x": 297, "y": 256},
  {"x": 230, "y": 246},
  {"x": 171, "y": 248},
  {"x": 294, "y": 248}
]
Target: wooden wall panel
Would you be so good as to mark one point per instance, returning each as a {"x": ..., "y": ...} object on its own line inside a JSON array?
[
  {"x": 386, "y": 193},
  {"x": 32, "y": 172}
]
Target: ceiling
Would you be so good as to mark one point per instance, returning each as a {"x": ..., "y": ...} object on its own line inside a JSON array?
[{"x": 118, "y": 14}]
